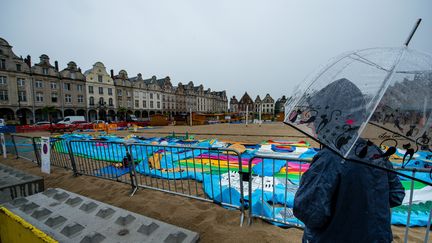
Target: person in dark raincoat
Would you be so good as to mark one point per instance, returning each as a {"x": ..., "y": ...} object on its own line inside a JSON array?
[{"x": 339, "y": 200}]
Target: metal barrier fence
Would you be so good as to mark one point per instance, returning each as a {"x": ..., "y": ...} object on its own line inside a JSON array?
[
  {"x": 208, "y": 174},
  {"x": 25, "y": 147},
  {"x": 277, "y": 207},
  {"x": 59, "y": 155},
  {"x": 98, "y": 158},
  {"x": 267, "y": 204},
  {"x": 410, "y": 202}
]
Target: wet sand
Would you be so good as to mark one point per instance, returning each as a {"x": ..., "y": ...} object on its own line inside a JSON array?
[{"x": 212, "y": 222}]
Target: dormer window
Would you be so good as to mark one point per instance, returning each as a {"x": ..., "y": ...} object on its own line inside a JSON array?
[
  {"x": 100, "y": 78},
  {"x": 18, "y": 67}
]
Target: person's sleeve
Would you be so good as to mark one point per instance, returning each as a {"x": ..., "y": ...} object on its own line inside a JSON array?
[
  {"x": 313, "y": 200},
  {"x": 397, "y": 191}
]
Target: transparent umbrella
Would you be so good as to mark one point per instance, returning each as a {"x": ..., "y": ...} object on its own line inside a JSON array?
[{"x": 380, "y": 96}]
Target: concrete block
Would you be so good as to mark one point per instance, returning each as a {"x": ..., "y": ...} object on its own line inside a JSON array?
[
  {"x": 69, "y": 217},
  {"x": 15, "y": 183}
]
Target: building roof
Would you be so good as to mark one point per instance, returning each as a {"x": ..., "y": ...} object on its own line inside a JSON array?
[
  {"x": 268, "y": 99},
  {"x": 257, "y": 99},
  {"x": 234, "y": 100},
  {"x": 246, "y": 99}
]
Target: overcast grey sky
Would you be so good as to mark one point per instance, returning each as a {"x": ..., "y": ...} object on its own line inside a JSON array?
[{"x": 255, "y": 46}]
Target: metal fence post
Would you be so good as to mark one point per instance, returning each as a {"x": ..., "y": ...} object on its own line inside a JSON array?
[
  {"x": 14, "y": 144},
  {"x": 244, "y": 176},
  {"x": 72, "y": 158},
  {"x": 428, "y": 229},
  {"x": 132, "y": 174},
  {"x": 409, "y": 208},
  {"x": 250, "y": 190},
  {"x": 36, "y": 152}
]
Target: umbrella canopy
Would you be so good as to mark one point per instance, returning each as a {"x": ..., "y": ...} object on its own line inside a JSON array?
[{"x": 377, "y": 95}]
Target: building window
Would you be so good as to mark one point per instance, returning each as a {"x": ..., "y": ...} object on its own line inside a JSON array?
[
  {"x": 151, "y": 104},
  {"x": 110, "y": 102},
  {"x": 136, "y": 103},
  {"x": 4, "y": 95},
  {"x": 123, "y": 83},
  {"x": 109, "y": 91},
  {"x": 100, "y": 90},
  {"x": 54, "y": 97},
  {"x": 22, "y": 97},
  {"x": 100, "y": 78},
  {"x": 39, "y": 97},
  {"x": 144, "y": 104},
  {"x": 18, "y": 67},
  {"x": 73, "y": 75},
  {"x": 3, "y": 64},
  {"x": 158, "y": 96},
  {"x": 158, "y": 105},
  {"x": 21, "y": 82},
  {"x": 90, "y": 88},
  {"x": 80, "y": 99},
  {"x": 91, "y": 100},
  {"x": 67, "y": 86},
  {"x": 119, "y": 92},
  {"x": 127, "y": 93},
  {"x": 53, "y": 85},
  {"x": 101, "y": 101},
  {"x": 45, "y": 71},
  {"x": 68, "y": 98},
  {"x": 129, "y": 102},
  {"x": 38, "y": 84},
  {"x": 151, "y": 95},
  {"x": 3, "y": 80},
  {"x": 79, "y": 87}
]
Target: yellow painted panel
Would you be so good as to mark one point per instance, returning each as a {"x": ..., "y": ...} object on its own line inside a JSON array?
[{"x": 15, "y": 229}]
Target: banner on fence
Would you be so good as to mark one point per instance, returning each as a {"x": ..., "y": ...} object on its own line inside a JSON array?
[
  {"x": 3, "y": 144},
  {"x": 45, "y": 154}
]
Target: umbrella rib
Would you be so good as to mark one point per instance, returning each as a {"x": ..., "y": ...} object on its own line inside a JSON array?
[{"x": 368, "y": 62}]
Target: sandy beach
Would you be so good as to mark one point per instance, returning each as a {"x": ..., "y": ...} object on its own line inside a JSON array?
[{"x": 214, "y": 223}]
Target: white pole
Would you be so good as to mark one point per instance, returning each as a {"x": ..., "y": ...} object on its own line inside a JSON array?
[
  {"x": 190, "y": 110},
  {"x": 260, "y": 111},
  {"x": 3, "y": 144},
  {"x": 247, "y": 113}
]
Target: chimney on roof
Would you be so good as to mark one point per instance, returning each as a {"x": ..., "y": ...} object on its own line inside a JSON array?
[
  {"x": 112, "y": 73},
  {"x": 28, "y": 60},
  {"x": 56, "y": 65}
]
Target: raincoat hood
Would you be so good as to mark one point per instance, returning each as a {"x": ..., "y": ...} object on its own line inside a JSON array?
[{"x": 338, "y": 110}]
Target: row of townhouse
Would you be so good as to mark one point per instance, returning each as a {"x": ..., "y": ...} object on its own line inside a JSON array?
[
  {"x": 267, "y": 105},
  {"x": 42, "y": 91}
]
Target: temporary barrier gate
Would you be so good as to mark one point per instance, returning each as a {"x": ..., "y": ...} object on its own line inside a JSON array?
[
  {"x": 273, "y": 207},
  {"x": 209, "y": 174},
  {"x": 25, "y": 147},
  {"x": 98, "y": 158},
  {"x": 194, "y": 172}
]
